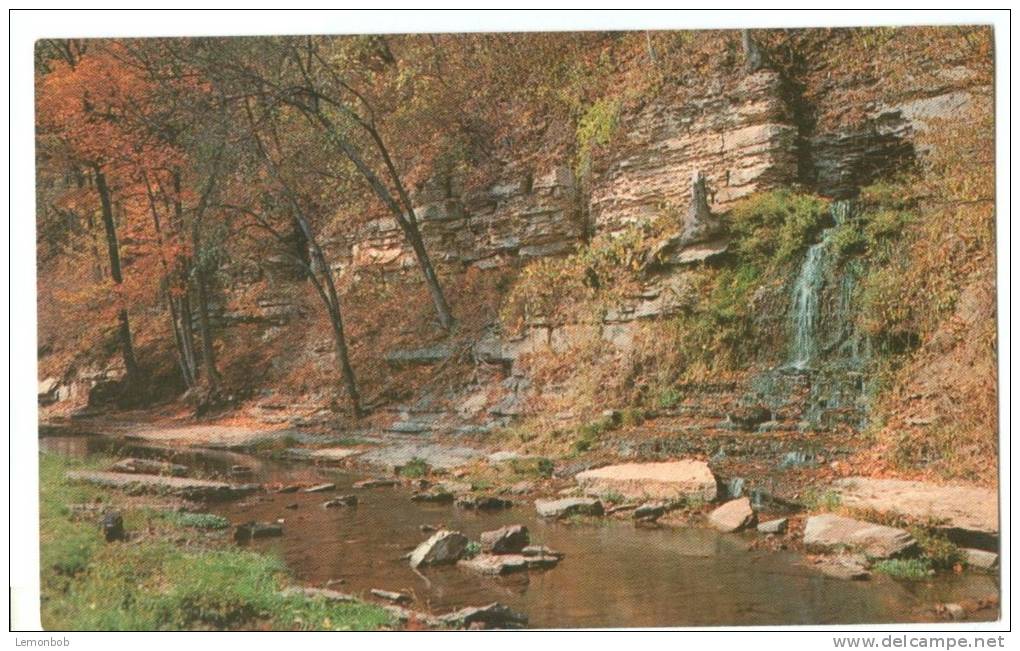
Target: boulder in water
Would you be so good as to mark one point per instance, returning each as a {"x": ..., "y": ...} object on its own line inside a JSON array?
[
  {"x": 443, "y": 548},
  {"x": 506, "y": 540}
]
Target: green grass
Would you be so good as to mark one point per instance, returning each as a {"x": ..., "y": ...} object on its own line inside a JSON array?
[
  {"x": 910, "y": 569},
  {"x": 196, "y": 520},
  {"x": 414, "y": 469},
  {"x": 88, "y": 584}
]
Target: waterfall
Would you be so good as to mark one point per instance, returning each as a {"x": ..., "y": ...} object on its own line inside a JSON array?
[{"x": 807, "y": 291}]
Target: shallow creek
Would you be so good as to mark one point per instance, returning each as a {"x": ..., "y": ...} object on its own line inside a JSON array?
[{"x": 613, "y": 575}]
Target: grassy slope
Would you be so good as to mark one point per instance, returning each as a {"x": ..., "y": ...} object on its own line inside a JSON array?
[{"x": 88, "y": 584}]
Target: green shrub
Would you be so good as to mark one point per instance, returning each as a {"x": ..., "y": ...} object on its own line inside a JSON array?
[
  {"x": 772, "y": 229},
  {"x": 414, "y": 469},
  {"x": 911, "y": 569},
  {"x": 594, "y": 129},
  {"x": 939, "y": 551}
]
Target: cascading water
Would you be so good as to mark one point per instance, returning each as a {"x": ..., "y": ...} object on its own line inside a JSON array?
[
  {"x": 826, "y": 354},
  {"x": 807, "y": 292}
]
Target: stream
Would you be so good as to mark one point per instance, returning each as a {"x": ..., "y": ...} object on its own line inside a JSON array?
[{"x": 613, "y": 575}]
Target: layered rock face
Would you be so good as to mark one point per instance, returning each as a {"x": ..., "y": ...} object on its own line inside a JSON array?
[
  {"x": 739, "y": 134},
  {"x": 523, "y": 217}
]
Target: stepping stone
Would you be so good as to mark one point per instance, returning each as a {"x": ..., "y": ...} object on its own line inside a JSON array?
[
  {"x": 833, "y": 533},
  {"x": 433, "y": 497},
  {"x": 846, "y": 568},
  {"x": 568, "y": 506},
  {"x": 320, "y": 488},
  {"x": 317, "y": 593},
  {"x": 665, "y": 481},
  {"x": 484, "y": 503}
]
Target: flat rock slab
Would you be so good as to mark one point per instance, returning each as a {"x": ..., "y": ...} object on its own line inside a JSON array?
[
  {"x": 968, "y": 508},
  {"x": 668, "y": 480},
  {"x": 735, "y": 515},
  {"x": 830, "y": 532},
  {"x": 435, "y": 455},
  {"x": 494, "y": 615},
  {"x": 192, "y": 489},
  {"x": 334, "y": 454},
  {"x": 503, "y": 564},
  {"x": 568, "y": 506},
  {"x": 149, "y": 467}
]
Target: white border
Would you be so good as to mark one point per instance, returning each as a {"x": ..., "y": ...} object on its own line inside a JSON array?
[{"x": 27, "y": 26}]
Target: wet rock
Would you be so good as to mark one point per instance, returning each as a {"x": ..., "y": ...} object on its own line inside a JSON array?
[
  {"x": 240, "y": 470},
  {"x": 428, "y": 528},
  {"x": 255, "y": 530},
  {"x": 568, "y": 506},
  {"x": 483, "y": 503},
  {"x": 666, "y": 480},
  {"x": 375, "y": 483},
  {"x": 433, "y": 497},
  {"x": 735, "y": 515},
  {"x": 777, "y": 526},
  {"x": 492, "y": 565},
  {"x": 443, "y": 548},
  {"x": 293, "y": 488},
  {"x": 191, "y": 489},
  {"x": 980, "y": 559},
  {"x": 832, "y": 533},
  {"x": 395, "y": 597},
  {"x": 532, "y": 551},
  {"x": 112, "y": 526},
  {"x": 846, "y": 568},
  {"x": 292, "y": 506},
  {"x": 620, "y": 508},
  {"x": 650, "y": 511},
  {"x": 494, "y": 615},
  {"x": 506, "y": 540},
  {"x": 320, "y": 488},
  {"x": 341, "y": 501},
  {"x": 149, "y": 467}
]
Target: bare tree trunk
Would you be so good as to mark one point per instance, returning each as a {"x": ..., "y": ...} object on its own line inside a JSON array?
[
  {"x": 404, "y": 215},
  {"x": 124, "y": 326},
  {"x": 186, "y": 366},
  {"x": 211, "y": 376},
  {"x": 336, "y": 319}
]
